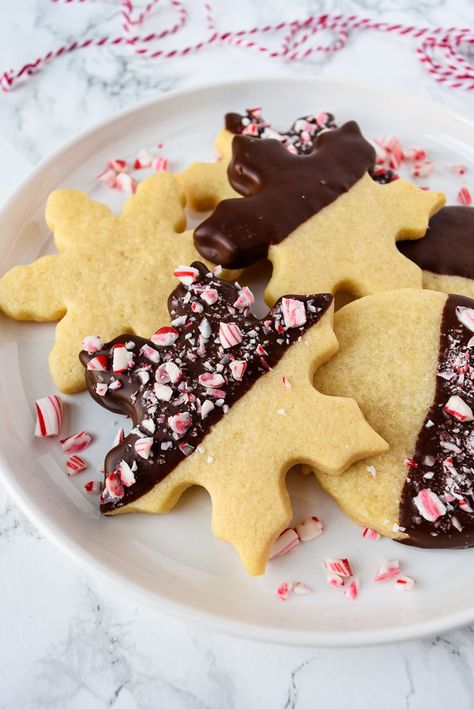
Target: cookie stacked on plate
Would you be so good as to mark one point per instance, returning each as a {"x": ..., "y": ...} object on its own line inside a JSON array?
[{"x": 221, "y": 399}]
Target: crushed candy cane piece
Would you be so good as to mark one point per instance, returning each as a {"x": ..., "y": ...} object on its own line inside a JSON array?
[
  {"x": 143, "y": 446},
  {"x": 179, "y": 423},
  {"x": 113, "y": 485},
  {"x": 108, "y": 176},
  {"x": 126, "y": 473},
  {"x": 209, "y": 295},
  {"x": 237, "y": 368},
  {"x": 101, "y": 388},
  {"x": 309, "y": 528},
  {"x": 118, "y": 165},
  {"x": 98, "y": 364},
  {"x": 286, "y": 542},
  {"x": 206, "y": 408},
  {"x": 283, "y": 591},
  {"x": 352, "y": 590},
  {"x": 125, "y": 183},
  {"x": 405, "y": 583},
  {"x": 119, "y": 437},
  {"x": 76, "y": 443},
  {"x": 119, "y": 358},
  {"x": 160, "y": 164},
  {"x": 387, "y": 571},
  {"x": 371, "y": 534},
  {"x": 165, "y": 336},
  {"x": 372, "y": 470},
  {"x": 150, "y": 353},
  {"x": 335, "y": 580},
  {"x": 422, "y": 169},
  {"x": 465, "y": 316},
  {"x": 163, "y": 391},
  {"x": 229, "y": 334},
  {"x": 415, "y": 153},
  {"x": 143, "y": 159},
  {"x": 429, "y": 505},
  {"x": 245, "y": 299},
  {"x": 458, "y": 169},
  {"x": 294, "y": 312},
  {"x": 285, "y": 382},
  {"x": 93, "y": 487},
  {"x": 186, "y": 275},
  {"x": 301, "y": 589},
  {"x": 49, "y": 416},
  {"x": 464, "y": 197},
  {"x": 75, "y": 465},
  {"x": 341, "y": 567},
  {"x": 458, "y": 409},
  {"x": 211, "y": 380},
  {"x": 92, "y": 344}
]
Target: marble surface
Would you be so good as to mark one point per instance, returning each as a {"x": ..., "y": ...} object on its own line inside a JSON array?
[{"x": 69, "y": 641}]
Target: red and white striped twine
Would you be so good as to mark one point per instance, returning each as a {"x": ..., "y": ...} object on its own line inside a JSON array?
[{"x": 441, "y": 50}]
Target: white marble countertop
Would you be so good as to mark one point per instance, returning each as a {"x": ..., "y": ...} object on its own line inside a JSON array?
[{"x": 69, "y": 641}]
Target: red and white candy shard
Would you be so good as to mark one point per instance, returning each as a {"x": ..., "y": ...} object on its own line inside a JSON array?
[
  {"x": 92, "y": 344},
  {"x": 125, "y": 183},
  {"x": 465, "y": 316},
  {"x": 163, "y": 391},
  {"x": 309, "y": 528},
  {"x": 143, "y": 160},
  {"x": 114, "y": 485},
  {"x": 245, "y": 299},
  {"x": 150, "y": 353},
  {"x": 93, "y": 487},
  {"x": 160, "y": 164},
  {"x": 49, "y": 416},
  {"x": 301, "y": 589},
  {"x": 211, "y": 380},
  {"x": 371, "y": 534},
  {"x": 119, "y": 358},
  {"x": 429, "y": 505},
  {"x": 387, "y": 571},
  {"x": 352, "y": 590},
  {"x": 119, "y": 437},
  {"x": 464, "y": 197},
  {"x": 165, "y": 336},
  {"x": 76, "y": 443},
  {"x": 286, "y": 542},
  {"x": 127, "y": 476},
  {"x": 101, "y": 388},
  {"x": 179, "y": 423},
  {"x": 206, "y": 408},
  {"x": 458, "y": 408},
  {"x": 98, "y": 364},
  {"x": 294, "y": 312},
  {"x": 209, "y": 296},
  {"x": 335, "y": 580},
  {"x": 405, "y": 583},
  {"x": 75, "y": 465},
  {"x": 283, "y": 591},
  {"x": 186, "y": 275},
  {"x": 237, "y": 368},
  {"x": 143, "y": 447},
  {"x": 229, "y": 334},
  {"x": 341, "y": 567}
]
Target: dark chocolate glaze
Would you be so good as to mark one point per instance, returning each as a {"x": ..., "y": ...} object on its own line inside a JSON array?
[
  {"x": 444, "y": 453},
  {"x": 282, "y": 191},
  {"x": 448, "y": 246},
  {"x": 196, "y": 351}
]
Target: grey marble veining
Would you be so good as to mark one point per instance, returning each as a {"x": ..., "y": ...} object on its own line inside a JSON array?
[{"x": 69, "y": 641}]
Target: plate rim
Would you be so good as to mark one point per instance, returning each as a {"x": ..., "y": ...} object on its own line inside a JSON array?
[{"x": 188, "y": 611}]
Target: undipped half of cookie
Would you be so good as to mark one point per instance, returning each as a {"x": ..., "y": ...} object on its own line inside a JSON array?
[
  {"x": 223, "y": 400},
  {"x": 405, "y": 356}
]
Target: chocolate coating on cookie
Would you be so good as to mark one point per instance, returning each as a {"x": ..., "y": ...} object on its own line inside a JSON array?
[
  {"x": 448, "y": 246},
  {"x": 182, "y": 381},
  {"x": 437, "y": 503},
  {"x": 282, "y": 192}
]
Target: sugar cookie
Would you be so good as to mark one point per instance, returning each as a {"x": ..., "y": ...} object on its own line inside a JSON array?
[
  {"x": 224, "y": 400},
  {"x": 112, "y": 275},
  {"x": 446, "y": 253},
  {"x": 323, "y": 222},
  {"x": 206, "y": 184},
  {"x": 405, "y": 357}
]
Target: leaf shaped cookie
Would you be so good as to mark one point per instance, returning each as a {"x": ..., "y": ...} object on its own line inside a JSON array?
[
  {"x": 112, "y": 274},
  {"x": 320, "y": 218},
  {"x": 224, "y": 400}
]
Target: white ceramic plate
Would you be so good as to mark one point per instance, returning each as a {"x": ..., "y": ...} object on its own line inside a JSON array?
[{"x": 173, "y": 561}]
